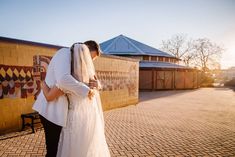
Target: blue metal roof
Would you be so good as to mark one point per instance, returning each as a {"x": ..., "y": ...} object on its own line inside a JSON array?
[
  {"x": 153, "y": 64},
  {"x": 122, "y": 45}
]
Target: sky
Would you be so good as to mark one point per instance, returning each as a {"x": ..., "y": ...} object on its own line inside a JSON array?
[{"x": 149, "y": 21}]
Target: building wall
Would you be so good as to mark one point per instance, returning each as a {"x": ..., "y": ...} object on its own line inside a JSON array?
[
  {"x": 118, "y": 76},
  {"x": 146, "y": 79},
  {"x": 15, "y": 75},
  {"x": 120, "y": 80},
  {"x": 167, "y": 79},
  {"x": 20, "y": 80},
  {"x": 21, "y": 54}
]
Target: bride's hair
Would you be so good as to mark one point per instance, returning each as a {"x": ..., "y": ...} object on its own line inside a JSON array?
[{"x": 93, "y": 46}]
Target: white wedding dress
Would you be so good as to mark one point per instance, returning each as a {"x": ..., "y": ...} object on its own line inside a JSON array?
[{"x": 84, "y": 134}]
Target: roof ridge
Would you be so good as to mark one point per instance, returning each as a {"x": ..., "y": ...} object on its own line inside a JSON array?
[
  {"x": 150, "y": 46},
  {"x": 114, "y": 39},
  {"x": 126, "y": 38}
]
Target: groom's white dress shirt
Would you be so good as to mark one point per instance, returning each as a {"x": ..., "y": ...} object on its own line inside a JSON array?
[{"x": 59, "y": 73}]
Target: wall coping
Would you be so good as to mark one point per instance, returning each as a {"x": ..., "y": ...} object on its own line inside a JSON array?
[{"x": 19, "y": 41}]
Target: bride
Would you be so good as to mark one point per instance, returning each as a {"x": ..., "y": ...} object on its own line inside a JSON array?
[{"x": 84, "y": 134}]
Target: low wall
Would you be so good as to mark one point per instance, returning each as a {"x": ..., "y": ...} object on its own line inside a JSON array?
[
  {"x": 17, "y": 87},
  {"x": 21, "y": 73},
  {"x": 118, "y": 76},
  {"x": 120, "y": 79}
]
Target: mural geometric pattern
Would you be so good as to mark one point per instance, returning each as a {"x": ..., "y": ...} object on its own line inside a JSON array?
[
  {"x": 22, "y": 81},
  {"x": 16, "y": 81}
]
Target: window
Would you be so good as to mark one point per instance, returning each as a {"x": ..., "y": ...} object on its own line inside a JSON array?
[
  {"x": 167, "y": 59},
  {"x": 160, "y": 59},
  {"x": 146, "y": 58},
  {"x": 154, "y": 58}
]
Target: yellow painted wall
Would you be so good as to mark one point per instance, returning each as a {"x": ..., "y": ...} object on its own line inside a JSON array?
[
  {"x": 12, "y": 108},
  {"x": 22, "y": 55},
  {"x": 10, "y": 111},
  {"x": 118, "y": 98}
]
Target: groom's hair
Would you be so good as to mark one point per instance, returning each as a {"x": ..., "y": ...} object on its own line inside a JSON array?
[{"x": 93, "y": 46}]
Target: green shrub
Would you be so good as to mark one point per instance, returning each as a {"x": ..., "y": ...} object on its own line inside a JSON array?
[{"x": 207, "y": 81}]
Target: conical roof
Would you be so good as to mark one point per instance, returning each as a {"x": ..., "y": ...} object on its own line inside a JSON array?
[{"x": 122, "y": 45}]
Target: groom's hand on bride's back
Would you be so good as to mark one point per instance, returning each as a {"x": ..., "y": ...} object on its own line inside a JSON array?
[{"x": 93, "y": 83}]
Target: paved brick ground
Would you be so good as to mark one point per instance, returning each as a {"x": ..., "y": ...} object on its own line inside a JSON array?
[{"x": 170, "y": 123}]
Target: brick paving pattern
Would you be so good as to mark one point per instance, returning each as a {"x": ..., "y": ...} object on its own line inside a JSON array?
[{"x": 169, "y": 123}]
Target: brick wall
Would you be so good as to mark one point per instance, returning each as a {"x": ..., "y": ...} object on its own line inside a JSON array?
[
  {"x": 120, "y": 79},
  {"x": 118, "y": 75},
  {"x": 22, "y": 54},
  {"x": 16, "y": 66}
]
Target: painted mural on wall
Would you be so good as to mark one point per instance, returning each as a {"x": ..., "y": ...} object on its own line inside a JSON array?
[
  {"x": 22, "y": 81},
  {"x": 16, "y": 81},
  {"x": 40, "y": 64},
  {"x": 112, "y": 80}
]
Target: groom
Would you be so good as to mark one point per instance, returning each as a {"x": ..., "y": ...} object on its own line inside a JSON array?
[{"x": 53, "y": 114}]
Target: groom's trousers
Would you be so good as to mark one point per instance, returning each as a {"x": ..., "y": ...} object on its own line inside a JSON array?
[{"x": 52, "y": 136}]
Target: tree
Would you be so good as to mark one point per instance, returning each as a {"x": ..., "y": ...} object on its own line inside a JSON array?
[
  {"x": 201, "y": 53},
  {"x": 180, "y": 47},
  {"x": 207, "y": 53}
]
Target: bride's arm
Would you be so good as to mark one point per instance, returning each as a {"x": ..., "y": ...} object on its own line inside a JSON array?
[
  {"x": 54, "y": 92},
  {"x": 51, "y": 93}
]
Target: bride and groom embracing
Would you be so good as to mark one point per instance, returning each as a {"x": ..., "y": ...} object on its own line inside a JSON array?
[{"x": 69, "y": 104}]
